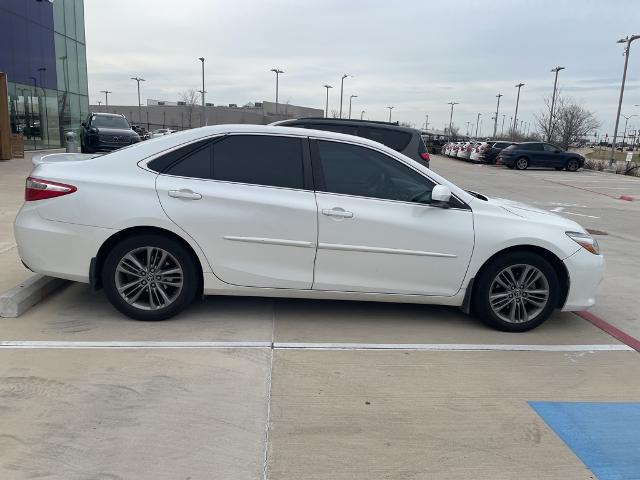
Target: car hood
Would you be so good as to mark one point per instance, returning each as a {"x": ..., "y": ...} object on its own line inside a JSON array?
[
  {"x": 534, "y": 214},
  {"x": 117, "y": 131}
]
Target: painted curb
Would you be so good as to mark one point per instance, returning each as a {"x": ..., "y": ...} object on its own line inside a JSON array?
[
  {"x": 610, "y": 329},
  {"x": 23, "y": 296}
]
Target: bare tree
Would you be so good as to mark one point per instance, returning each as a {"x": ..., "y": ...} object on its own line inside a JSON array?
[
  {"x": 191, "y": 100},
  {"x": 335, "y": 113},
  {"x": 570, "y": 122}
]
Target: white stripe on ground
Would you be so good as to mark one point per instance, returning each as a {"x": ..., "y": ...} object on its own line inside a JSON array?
[{"x": 315, "y": 346}]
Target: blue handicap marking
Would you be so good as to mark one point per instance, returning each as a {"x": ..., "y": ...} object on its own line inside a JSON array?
[{"x": 605, "y": 436}]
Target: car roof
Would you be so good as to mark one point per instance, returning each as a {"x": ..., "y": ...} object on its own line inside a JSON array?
[
  {"x": 347, "y": 121},
  {"x": 105, "y": 114}
]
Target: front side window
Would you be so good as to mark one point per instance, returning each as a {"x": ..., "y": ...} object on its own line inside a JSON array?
[
  {"x": 363, "y": 172},
  {"x": 259, "y": 160},
  {"x": 550, "y": 148}
]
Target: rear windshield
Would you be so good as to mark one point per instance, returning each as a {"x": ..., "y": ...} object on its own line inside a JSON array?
[{"x": 396, "y": 139}]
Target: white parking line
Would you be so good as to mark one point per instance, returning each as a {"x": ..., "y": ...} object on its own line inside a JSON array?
[{"x": 468, "y": 347}]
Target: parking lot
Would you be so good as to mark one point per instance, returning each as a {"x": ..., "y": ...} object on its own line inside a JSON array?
[{"x": 250, "y": 388}]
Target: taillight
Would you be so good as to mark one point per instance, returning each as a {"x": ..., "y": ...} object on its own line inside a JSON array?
[
  {"x": 37, "y": 189},
  {"x": 425, "y": 156}
]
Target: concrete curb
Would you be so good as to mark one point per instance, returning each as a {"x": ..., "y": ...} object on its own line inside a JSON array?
[{"x": 34, "y": 289}]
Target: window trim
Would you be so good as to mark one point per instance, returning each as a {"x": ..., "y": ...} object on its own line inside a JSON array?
[{"x": 321, "y": 187}]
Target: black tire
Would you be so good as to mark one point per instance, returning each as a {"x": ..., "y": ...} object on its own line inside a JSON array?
[
  {"x": 573, "y": 165},
  {"x": 557, "y": 169},
  {"x": 178, "y": 254},
  {"x": 484, "y": 282},
  {"x": 521, "y": 163}
]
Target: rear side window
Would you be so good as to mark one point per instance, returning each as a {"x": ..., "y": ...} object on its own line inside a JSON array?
[
  {"x": 396, "y": 139},
  {"x": 163, "y": 163},
  {"x": 259, "y": 160},
  {"x": 196, "y": 164},
  {"x": 531, "y": 147}
]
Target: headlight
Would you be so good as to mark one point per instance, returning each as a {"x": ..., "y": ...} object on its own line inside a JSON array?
[{"x": 586, "y": 241}]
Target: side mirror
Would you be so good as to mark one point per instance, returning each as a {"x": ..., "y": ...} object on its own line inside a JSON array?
[{"x": 440, "y": 196}]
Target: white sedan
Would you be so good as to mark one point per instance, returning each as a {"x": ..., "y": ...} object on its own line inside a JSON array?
[{"x": 289, "y": 212}]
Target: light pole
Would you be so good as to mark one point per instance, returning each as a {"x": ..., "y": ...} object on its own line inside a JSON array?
[
  {"x": 277, "y": 72},
  {"x": 515, "y": 116},
  {"x": 468, "y": 123},
  {"x": 106, "y": 97},
  {"x": 502, "y": 128},
  {"x": 626, "y": 119},
  {"x": 451, "y": 118},
  {"x": 351, "y": 98},
  {"x": 390, "y": 108},
  {"x": 326, "y": 108},
  {"x": 553, "y": 101},
  {"x": 627, "y": 50},
  {"x": 138, "y": 80},
  {"x": 426, "y": 123},
  {"x": 342, "y": 91},
  {"x": 361, "y": 114},
  {"x": 495, "y": 124},
  {"x": 477, "y": 123},
  {"x": 203, "y": 120}
]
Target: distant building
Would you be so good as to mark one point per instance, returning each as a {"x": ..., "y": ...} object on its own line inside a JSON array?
[
  {"x": 179, "y": 116},
  {"x": 43, "y": 53}
]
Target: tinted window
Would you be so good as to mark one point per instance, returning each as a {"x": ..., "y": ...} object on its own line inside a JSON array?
[
  {"x": 196, "y": 164},
  {"x": 330, "y": 127},
  {"x": 530, "y": 146},
  {"x": 549, "y": 148},
  {"x": 260, "y": 160},
  {"x": 396, "y": 139},
  {"x": 501, "y": 145},
  {"x": 360, "y": 171},
  {"x": 164, "y": 162}
]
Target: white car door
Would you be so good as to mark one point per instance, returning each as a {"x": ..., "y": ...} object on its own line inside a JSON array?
[
  {"x": 247, "y": 201},
  {"x": 377, "y": 231}
]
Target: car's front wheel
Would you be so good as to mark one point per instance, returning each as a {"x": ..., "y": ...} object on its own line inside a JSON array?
[
  {"x": 516, "y": 292},
  {"x": 573, "y": 165},
  {"x": 522, "y": 163},
  {"x": 150, "y": 277}
]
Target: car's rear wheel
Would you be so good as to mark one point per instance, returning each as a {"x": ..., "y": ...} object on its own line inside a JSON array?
[
  {"x": 150, "y": 277},
  {"x": 522, "y": 163},
  {"x": 516, "y": 292},
  {"x": 573, "y": 165}
]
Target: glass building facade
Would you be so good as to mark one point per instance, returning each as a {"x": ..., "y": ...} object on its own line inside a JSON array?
[{"x": 43, "y": 53}]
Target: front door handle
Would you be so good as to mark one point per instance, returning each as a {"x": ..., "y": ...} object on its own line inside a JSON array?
[
  {"x": 337, "y": 212},
  {"x": 185, "y": 193}
]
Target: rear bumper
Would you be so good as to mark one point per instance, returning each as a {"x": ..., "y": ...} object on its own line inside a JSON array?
[
  {"x": 59, "y": 249},
  {"x": 586, "y": 271}
]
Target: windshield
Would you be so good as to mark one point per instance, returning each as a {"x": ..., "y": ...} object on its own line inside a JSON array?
[{"x": 103, "y": 121}]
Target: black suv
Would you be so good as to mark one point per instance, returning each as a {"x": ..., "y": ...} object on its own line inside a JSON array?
[
  {"x": 401, "y": 139},
  {"x": 538, "y": 154},
  {"x": 106, "y": 132},
  {"x": 490, "y": 155}
]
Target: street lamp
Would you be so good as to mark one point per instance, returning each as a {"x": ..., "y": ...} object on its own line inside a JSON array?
[
  {"x": 553, "y": 101},
  {"x": 468, "y": 123},
  {"x": 502, "y": 128},
  {"x": 426, "y": 123},
  {"x": 342, "y": 90},
  {"x": 495, "y": 123},
  {"x": 477, "y": 123},
  {"x": 326, "y": 108},
  {"x": 106, "y": 97},
  {"x": 515, "y": 116},
  {"x": 138, "y": 80},
  {"x": 390, "y": 108},
  {"x": 277, "y": 72},
  {"x": 451, "y": 117},
  {"x": 351, "y": 98},
  {"x": 361, "y": 114},
  {"x": 627, "y": 49},
  {"x": 203, "y": 119}
]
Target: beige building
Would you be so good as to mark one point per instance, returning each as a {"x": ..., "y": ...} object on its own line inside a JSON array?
[{"x": 176, "y": 116}]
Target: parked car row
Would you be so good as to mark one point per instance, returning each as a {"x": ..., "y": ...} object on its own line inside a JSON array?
[{"x": 515, "y": 155}]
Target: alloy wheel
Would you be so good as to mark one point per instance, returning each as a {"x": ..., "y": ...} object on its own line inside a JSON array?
[
  {"x": 522, "y": 163},
  {"x": 149, "y": 278},
  {"x": 519, "y": 293},
  {"x": 572, "y": 166}
]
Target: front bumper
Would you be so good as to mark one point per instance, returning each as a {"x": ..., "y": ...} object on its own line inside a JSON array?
[{"x": 586, "y": 271}]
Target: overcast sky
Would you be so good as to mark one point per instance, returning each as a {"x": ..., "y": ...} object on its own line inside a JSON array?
[{"x": 414, "y": 55}]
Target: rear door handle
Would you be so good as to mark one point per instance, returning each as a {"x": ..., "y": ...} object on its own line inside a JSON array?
[
  {"x": 186, "y": 194},
  {"x": 337, "y": 212}
]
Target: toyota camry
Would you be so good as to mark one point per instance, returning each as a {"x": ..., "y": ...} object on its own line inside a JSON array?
[{"x": 286, "y": 212}]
